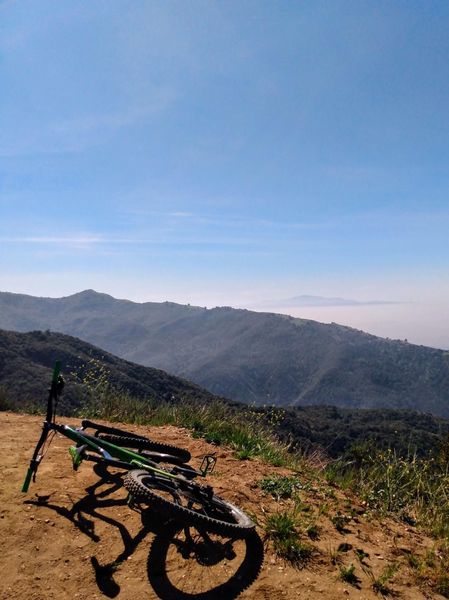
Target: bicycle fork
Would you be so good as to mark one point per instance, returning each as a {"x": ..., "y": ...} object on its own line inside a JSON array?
[{"x": 36, "y": 459}]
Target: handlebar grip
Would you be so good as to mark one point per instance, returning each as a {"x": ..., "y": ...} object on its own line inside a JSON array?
[
  {"x": 56, "y": 371},
  {"x": 26, "y": 483}
]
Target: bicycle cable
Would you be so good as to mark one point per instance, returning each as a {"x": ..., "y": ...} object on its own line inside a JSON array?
[
  {"x": 58, "y": 390},
  {"x": 47, "y": 444}
]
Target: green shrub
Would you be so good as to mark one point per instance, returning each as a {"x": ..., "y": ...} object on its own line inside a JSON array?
[
  {"x": 281, "y": 529},
  {"x": 280, "y": 486},
  {"x": 347, "y": 573},
  {"x": 340, "y": 522},
  {"x": 380, "y": 584},
  {"x": 4, "y": 402}
]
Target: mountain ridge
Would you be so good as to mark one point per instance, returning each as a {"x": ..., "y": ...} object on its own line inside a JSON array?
[{"x": 254, "y": 357}]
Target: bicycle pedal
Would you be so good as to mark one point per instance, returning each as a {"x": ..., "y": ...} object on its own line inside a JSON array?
[
  {"x": 76, "y": 455},
  {"x": 208, "y": 464}
]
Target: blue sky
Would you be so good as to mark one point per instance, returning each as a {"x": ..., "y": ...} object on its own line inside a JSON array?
[{"x": 229, "y": 153}]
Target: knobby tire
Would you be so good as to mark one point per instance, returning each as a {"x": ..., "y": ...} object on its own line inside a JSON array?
[
  {"x": 213, "y": 514},
  {"x": 145, "y": 444}
]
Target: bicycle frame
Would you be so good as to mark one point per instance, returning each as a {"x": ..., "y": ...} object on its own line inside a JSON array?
[{"x": 112, "y": 454}]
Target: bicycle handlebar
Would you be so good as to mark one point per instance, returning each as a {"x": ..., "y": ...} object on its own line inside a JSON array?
[{"x": 56, "y": 371}]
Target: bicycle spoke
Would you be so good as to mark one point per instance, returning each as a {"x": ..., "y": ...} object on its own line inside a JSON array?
[{"x": 198, "y": 562}]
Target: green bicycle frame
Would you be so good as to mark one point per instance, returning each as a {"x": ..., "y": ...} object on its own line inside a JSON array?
[{"x": 108, "y": 452}]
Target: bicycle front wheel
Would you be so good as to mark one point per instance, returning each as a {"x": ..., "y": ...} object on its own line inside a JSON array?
[
  {"x": 185, "y": 563},
  {"x": 188, "y": 503}
]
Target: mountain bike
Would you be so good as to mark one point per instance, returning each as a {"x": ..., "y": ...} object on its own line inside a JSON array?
[{"x": 157, "y": 473}]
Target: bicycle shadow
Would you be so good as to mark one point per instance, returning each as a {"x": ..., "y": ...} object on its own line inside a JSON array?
[{"x": 86, "y": 511}]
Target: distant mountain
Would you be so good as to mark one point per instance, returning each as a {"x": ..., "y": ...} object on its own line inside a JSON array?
[
  {"x": 248, "y": 356},
  {"x": 27, "y": 360},
  {"x": 319, "y": 301}
]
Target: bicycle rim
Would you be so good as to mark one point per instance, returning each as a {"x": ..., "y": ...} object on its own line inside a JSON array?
[
  {"x": 186, "y": 563},
  {"x": 187, "y": 504}
]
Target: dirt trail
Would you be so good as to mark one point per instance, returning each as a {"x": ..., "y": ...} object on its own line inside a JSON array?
[{"x": 73, "y": 536}]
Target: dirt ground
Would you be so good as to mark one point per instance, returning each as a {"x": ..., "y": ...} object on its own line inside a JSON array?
[{"x": 74, "y": 536}]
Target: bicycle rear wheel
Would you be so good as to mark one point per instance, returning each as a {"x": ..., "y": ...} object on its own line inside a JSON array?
[
  {"x": 189, "y": 503},
  {"x": 135, "y": 443}
]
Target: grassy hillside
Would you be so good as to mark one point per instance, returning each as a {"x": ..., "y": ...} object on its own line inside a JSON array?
[
  {"x": 247, "y": 356},
  {"x": 26, "y": 360}
]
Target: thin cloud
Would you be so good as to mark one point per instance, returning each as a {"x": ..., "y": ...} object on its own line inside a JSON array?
[
  {"x": 51, "y": 240},
  {"x": 181, "y": 214},
  {"x": 228, "y": 220},
  {"x": 127, "y": 241},
  {"x": 82, "y": 131},
  {"x": 161, "y": 99},
  {"x": 324, "y": 302}
]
